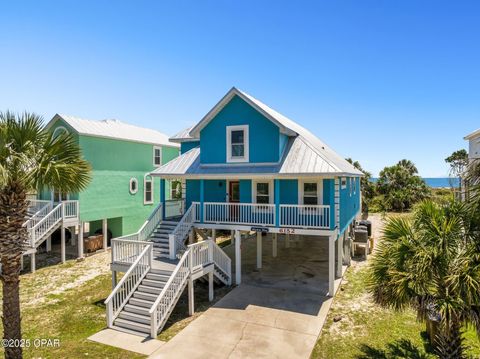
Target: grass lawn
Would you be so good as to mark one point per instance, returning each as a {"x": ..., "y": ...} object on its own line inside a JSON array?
[
  {"x": 65, "y": 302},
  {"x": 368, "y": 331}
]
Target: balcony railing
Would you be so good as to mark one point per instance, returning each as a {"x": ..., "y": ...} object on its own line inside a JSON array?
[{"x": 290, "y": 215}]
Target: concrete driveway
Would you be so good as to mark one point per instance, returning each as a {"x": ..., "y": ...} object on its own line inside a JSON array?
[{"x": 274, "y": 313}]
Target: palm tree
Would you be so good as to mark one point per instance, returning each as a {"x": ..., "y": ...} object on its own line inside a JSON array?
[
  {"x": 431, "y": 263},
  {"x": 30, "y": 159}
]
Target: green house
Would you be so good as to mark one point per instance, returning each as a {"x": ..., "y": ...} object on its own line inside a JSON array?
[{"x": 121, "y": 194}]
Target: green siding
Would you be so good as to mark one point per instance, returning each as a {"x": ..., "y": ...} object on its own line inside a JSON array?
[{"x": 114, "y": 163}]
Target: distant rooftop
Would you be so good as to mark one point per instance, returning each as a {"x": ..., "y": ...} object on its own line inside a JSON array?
[
  {"x": 472, "y": 135},
  {"x": 115, "y": 129}
]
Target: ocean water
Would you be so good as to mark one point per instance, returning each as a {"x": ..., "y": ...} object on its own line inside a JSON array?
[{"x": 439, "y": 182}]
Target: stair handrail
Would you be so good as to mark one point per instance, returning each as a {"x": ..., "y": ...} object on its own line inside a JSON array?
[
  {"x": 129, "y": 283},
  {"x": 45, "y": 224},
  {"x": 147, "y": 227},
  {"x": 163, "y": 304},
  {"x": 176, "y": 238},
  {"x": 198, "y": 254},
  {"x": 222, "y": 261},
  {"x": 38, "y": 215}
]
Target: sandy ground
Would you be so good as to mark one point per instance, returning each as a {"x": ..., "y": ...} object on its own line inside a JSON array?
[
  {"x": 48, "y": 282},
  {"x": 364, "y": 303}
]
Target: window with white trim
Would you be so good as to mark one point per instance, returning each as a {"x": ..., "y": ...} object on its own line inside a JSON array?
[
  {"x": 157, "y": 156},
  {"x": 262, "y": 192},
  {"x": 175, "y": 189},
  {"x": 60, "y": 130},
  {"x": 354, "y": 185},
  {"x": 351, "y": 186},
  {"x": 237, "y": 144},
  {"x": 343, "y": 182},
  {"x": 311, "y": 192},
  {"x": 133, "y": 185},
  {"x": 148, "y": 190}
]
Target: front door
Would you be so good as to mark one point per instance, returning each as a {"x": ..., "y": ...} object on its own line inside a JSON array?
[
  {"x": 234, "y": 192},
  {"x": 234, "y": 197}
]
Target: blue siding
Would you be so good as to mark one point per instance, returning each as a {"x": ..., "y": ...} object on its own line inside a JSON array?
[
  {"x": 289, "y": 191},
  {"x": 187, "y": 146},
  {"x": 215, "y": 190},
  {"x": 264, "y": 135},
  {"x": 245, "y": 191},
  {"x": 349, "y": 203},
  {"x": 192, "y": 192}
]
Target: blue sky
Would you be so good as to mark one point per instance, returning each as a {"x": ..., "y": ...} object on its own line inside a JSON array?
[{"x": 377, "y": 80}]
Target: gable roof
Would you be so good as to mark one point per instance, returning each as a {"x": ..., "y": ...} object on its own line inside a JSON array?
[
  {"x": 114, "y": 129},
  {"x": 310, "y": 144},
  {"x": 474, "y": 134}
]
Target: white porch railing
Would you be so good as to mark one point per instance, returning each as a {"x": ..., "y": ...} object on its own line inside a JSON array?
[
  {"x": 174, "y": 208},
  {"x": 70, "y": 209},
  {"x": 129, "y": 283},
  {"x": 239, "y": 213},
  {"x": 197, "y": 211},
  {"x": 198, "y": 255},
  {"x": 127, "y": 251},
  {"x": 177, "y": 237},
  {"x": 305, "y": 216}
]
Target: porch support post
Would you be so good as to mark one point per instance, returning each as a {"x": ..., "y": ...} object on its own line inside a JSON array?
[
  {"x": 210, "y": 286},
  {"x": 238, "y": 258},
  {"x": 32, "y": 263},
  {"x": 162, "y": 196},
  {"x": 259, "y": 250},
  {"x": 80, "y": 240},
  {"x": 191, "y": 303},
  {"x": 114, "y": 279},
  {"x": 202, "y": 199},
  {"x": 339, "y": 255},
  {"x": 105, "y": 233},
  {"x": 73, "y": 236},
  {"x": 49, "y": 243},
  {"x": 232, "y": 236},
  {"x": 277, "y": 202},
  {"x": 274, "y": 245},
  {"x": 21, "y": 262},
  {"x": 287, "y": 240},
  {"x": 331, "y": 263},
  {"x": 62, "y": 244},
  {"x": 214, "y": 235}
]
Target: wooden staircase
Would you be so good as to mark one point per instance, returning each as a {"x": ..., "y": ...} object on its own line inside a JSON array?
[
  {"x": 134, "y": 317},
  {"x": 160, "y": 238}
]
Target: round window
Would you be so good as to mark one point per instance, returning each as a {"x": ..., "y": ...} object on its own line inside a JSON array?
[{"x": 133, "y": 185}]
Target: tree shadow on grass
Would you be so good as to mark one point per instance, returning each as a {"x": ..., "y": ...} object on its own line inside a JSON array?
[{"x": 398, "y": 349}]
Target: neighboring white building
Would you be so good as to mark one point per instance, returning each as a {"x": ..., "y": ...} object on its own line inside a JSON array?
[{"x": 473, "y": 144}]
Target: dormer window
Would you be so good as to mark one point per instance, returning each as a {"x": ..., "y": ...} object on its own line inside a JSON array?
[{"x": 237, "y": 143}]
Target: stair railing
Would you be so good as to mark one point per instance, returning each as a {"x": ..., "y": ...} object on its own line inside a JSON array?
[
  {"x": 40, "y": 229},
  {"x": 129, "y": 283},
  {"x": 177, "y": 237},
  {"x": 124, "y": 244},
  {"x": 166, "y": 300},
  {"x": 197, "y": 255},
  {"x": 39, "y": 215},
  {"x": 223, "y": 262}
]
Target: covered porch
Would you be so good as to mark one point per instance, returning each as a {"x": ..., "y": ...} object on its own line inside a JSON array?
[{"x": 303, "y": 203}]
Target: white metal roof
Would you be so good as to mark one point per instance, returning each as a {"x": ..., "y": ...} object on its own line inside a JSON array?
[
  {"x": 114, "y": 129},
  {"x": 313, "y": 148},
  {"x": 183, "y": 136},
  {"x": 472, "y": 135},
  {"x": 299, "y": 159}
]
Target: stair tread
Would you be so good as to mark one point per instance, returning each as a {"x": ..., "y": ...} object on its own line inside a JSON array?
[
  {"x": 120, "y": 321},
  {"x": 130, "y": 331}
]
